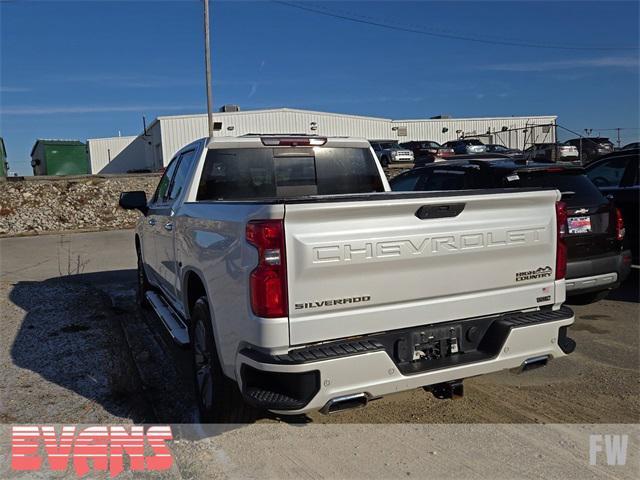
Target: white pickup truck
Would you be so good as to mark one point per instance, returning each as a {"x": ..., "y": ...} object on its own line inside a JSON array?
[{"x": 300, "y": 282}]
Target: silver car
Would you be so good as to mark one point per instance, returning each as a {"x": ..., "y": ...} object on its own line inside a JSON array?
[
  {"x": 552, "y": 152},
  {"x": 466, "y": 146},
  {"x": 388, "y": 152}
]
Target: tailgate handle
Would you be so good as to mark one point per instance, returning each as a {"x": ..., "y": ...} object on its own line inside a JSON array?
[{"x": 444, "y": 210}]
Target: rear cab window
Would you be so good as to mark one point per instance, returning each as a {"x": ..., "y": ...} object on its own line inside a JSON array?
[
  {"x": 575, "y": 186},
  {"x": 269, "y": 173},
  {"x": 443, "y": 178},
  {"x": 451, "y": 178}
]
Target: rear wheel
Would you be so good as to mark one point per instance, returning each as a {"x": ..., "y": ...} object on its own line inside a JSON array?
[
  {"x": 218, "y": 397},
  {"x": 587, "y": 298}
]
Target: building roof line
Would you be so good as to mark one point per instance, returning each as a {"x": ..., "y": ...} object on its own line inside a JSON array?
[
  {"x": 112, "y": 138},
  {"x": 347, "y": 115},
  {"x": 471, "y": 119},
  {"x": 271, "y": 110}
]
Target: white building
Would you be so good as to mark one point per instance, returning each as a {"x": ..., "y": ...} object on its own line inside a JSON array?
[
  {"x": 168, "y": 134},
  {"x": 117, "y": 154}
]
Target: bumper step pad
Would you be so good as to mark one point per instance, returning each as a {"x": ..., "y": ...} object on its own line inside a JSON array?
[
  {"x": 329, "y": 350},
  {"x": 272, "y": 400}
]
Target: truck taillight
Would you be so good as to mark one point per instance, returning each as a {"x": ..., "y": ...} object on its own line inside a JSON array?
[
  {"x": 445, "y": 152},
  {"x": 620, "y": 230},
  {"x": 561, "y": 248},
  {"x": 268, "y": 281}
]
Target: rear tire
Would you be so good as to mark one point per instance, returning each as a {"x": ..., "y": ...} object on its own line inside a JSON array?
[
  {"x": 587, "y": 298},
  {"x": 385, "y": 162},
  {"x": 218, "y": 397}
]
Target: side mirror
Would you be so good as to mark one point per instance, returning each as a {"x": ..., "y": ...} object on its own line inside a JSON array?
[{"x": 136, "y": 200}]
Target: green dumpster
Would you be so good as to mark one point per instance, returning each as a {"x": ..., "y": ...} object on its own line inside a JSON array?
[{"x": 59, "y": 157}]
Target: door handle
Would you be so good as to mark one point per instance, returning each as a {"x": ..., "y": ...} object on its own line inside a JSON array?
[
  {"x": 440, "y": 211},
  {"x": 168, "y": 226},
  {"x": 152, "y": 221}
]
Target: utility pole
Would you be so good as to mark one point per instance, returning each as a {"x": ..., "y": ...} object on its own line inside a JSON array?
[
  {"x": 207, "y": 62},
  {"x": 618, "y": 142}
]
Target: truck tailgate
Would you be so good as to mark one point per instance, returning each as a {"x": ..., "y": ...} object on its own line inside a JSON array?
[{"x": 395, "y": 260}]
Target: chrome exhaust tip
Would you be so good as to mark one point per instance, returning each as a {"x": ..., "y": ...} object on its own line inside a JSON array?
[
  {"x": 346, "y": 402},
  {"x": 534, "y": 362}
]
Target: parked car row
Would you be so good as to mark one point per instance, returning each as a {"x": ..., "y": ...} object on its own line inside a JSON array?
[
  {"x": 582, "y": 151},
  {"x": 421, "y": 152},
  {"x": 598, "y": 200}
]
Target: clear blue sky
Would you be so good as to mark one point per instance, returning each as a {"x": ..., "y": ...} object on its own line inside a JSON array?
[{"x": 90, "y": 69}]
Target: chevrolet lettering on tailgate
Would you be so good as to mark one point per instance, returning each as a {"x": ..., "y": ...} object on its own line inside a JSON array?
[{"x": 418, "y": 246}]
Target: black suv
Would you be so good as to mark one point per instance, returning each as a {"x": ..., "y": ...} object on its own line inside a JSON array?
[
  {"x": 596, "y": 260},
  {"x": 616, "y": 175}
]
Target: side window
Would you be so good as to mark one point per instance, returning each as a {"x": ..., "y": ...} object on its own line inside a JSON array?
[
  {"x": 180, "y": 178},
  {"x": 608, "y": 174},
  {"x": 631, "y": 176},
  {"x": 163, "y": 186},
  {"x": 405, "y": 183}
]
